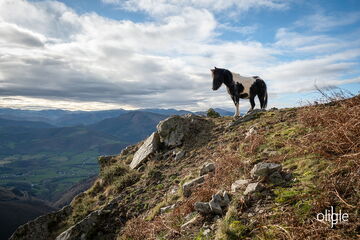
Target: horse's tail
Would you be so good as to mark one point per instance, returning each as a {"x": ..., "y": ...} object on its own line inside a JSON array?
[
  {"x": 262, "y": 93},
  {"x": 265, "y": 98}
]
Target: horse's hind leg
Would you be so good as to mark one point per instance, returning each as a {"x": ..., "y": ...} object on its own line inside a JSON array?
[
  {"x": 261, "y": 96},
  {"x": 252, "y": 102}
]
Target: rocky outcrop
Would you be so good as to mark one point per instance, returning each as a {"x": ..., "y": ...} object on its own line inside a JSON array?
[
  {"x": 247, "y": 117},
  {"x": 41, "y": 227},
  {"x": 149, "y": 147},
  {"x": 81, "y": 229},
  {"x": 173, "y": 130},
  {"x": 216, "y": 205}
]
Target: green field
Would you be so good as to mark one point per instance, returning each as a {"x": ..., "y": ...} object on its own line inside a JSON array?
[{"x": 47, "y": 174}]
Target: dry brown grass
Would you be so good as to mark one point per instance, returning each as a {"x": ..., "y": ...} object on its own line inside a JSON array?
[
  {"x": 339, "y": 127},
  {"x": 335, "y": 136}
]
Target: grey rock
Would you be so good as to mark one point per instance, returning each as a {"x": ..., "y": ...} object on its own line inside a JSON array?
[
  {"x": 264, "y": 169},
  {"x": 39, "y": 228},
  {"x": 187, "y": 187},
  {"x": 150, "y": 146},
  {"x": 276, "y": 178},
  {"x": 167, "y": 208},
  {"x": 250, "y": 132},
  {"x": 202, "y": 207},
  {"x": 172, "y": 130},
  {"x": 81, "y": 229},
  {"x": 215, "y": 206},
  {"x": 179, "y": 155},
  {"x": 226, "y": 199},
  {"x": 239, "y": 185},
  {"x": 222, "y": 198},
  {"x": 253, "y": 187},
  {"x": 248, "y": 117},
  {"x": 206, "y": 168}
]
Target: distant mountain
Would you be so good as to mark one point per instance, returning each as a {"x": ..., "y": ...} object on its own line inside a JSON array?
[
  {"x": 168, "y": 112},
  {"x": 133, "y": 126},
  {"x": 60, "y": 117},
  {"x": 64, "y": 118},
  {"x": 221, "y": 111},
  {"x": 20, "y": 140},
  {"x": 25, "y": 124},
  {"x": 17, "y": 208}
]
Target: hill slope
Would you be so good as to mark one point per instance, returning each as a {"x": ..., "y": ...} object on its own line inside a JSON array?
[
  {"x": 132, "y": 126},
  {"x": 17, "y": 208},
  {"x": 310, "y": 154}
]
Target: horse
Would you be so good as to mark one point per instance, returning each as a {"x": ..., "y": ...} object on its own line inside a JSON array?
[{"x": 240, "y": 87}]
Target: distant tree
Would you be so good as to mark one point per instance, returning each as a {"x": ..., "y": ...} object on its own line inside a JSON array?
[{"x": 212, "y": 113}]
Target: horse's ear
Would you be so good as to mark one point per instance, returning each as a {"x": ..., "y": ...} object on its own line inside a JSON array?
[{"x": 215, "y": 67}]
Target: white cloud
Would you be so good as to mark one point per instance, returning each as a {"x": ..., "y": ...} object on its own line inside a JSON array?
[
  {"x": 170, "y": 7},
  {"x": 302, "y": 75},
  {"x": 55, "y": 55},
  {"x": 321, "y": 22}
]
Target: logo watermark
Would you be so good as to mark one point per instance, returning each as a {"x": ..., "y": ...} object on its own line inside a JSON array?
[{"x": 332, "y": 217}]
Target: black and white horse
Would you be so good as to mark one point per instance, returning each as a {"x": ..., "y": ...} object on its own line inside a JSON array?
[{"x": 240, "y": 87}]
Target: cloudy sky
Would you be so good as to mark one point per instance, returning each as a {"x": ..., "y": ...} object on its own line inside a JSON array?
[{"x": 103, "y": 54}]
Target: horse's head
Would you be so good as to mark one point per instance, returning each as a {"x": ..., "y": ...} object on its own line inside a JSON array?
[{"x": 218, "y": 78}]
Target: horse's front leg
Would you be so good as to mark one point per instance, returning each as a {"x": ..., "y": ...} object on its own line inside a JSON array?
[{"x": 236, "y": 102}]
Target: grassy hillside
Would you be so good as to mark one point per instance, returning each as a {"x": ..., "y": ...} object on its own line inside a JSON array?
[{"x": 318, "y": 147}]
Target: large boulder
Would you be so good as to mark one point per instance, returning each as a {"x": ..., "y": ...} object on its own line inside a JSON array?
[
  {"x": 174, "y": 129},
  {"x": 150, "y": 146}
]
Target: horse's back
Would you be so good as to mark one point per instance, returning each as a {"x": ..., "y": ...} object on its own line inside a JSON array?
[{"x": 246, "y": 82}]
